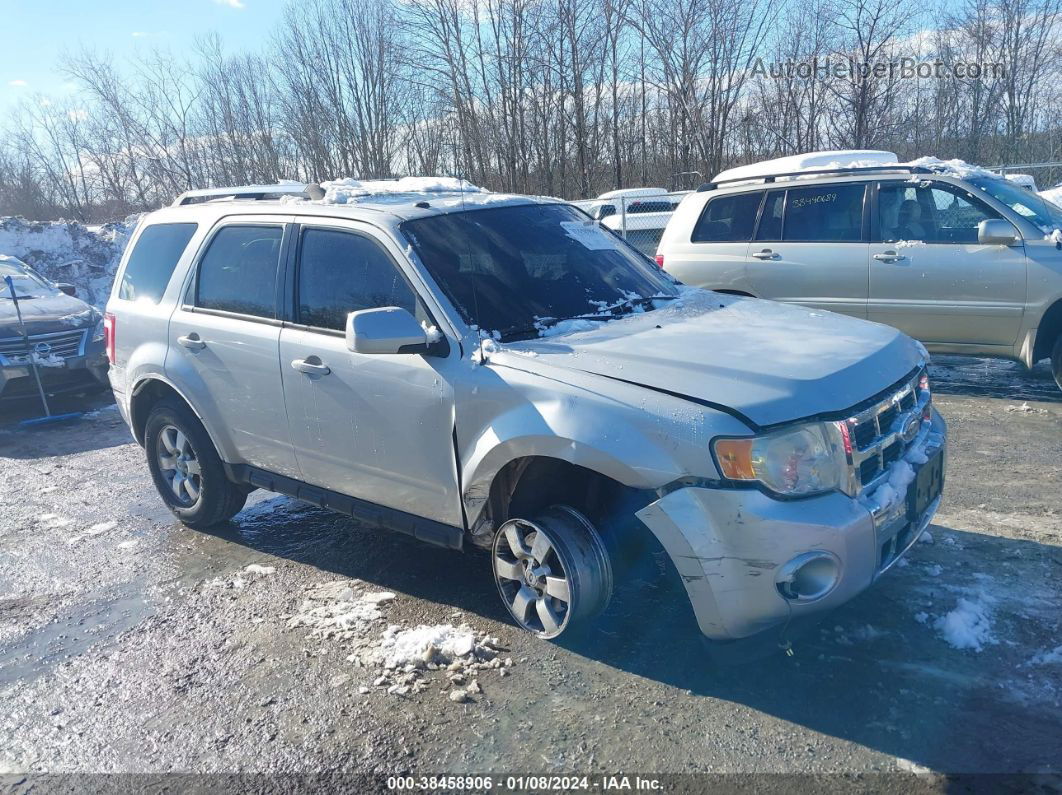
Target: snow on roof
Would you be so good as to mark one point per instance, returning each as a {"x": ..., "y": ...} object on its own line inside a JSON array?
[
  {"x": 348, "y": 191},
  {"x": 841, "y": 158},
  {"x": 850, "y": 158}
]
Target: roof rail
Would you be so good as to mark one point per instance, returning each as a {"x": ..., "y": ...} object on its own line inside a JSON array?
[
  {"x": 768, "y": 178},
  {"x": 250, "y": 193}
]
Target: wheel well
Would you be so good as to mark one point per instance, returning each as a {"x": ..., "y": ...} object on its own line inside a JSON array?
[
  {"x": 527, "y": 485},
  {"x": 1048, "y": 331},
  {"x": 146, "y": 395}
]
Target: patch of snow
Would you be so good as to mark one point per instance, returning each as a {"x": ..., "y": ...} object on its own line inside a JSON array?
[
  {"x": 344, "y": 619},
  {"x": 926, "y": 537},
  {"x": 1047, "y": 657},
  {"x": 921, "y": 617},
  {"x": 441, "y": 643},
  {"x": 128, "y": 544},
  {"x": 968, "y": 626},
  {"x": 934, "y": 569},
  {"x": 908, "y": 243},
  {"x": 431, "y": 333},
  {"x": 810, "y": 161},
  {"x": 1025, "y": 408},
  {"x": 255, "y": 568}
]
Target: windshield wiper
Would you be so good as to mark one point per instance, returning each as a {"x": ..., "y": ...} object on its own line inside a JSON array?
[
  {"x": 543, "y": 323},
  {"x": 643, "y": 302}
]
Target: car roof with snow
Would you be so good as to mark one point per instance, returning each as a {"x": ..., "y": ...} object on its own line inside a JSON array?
[{"x": 403, "y": 199}]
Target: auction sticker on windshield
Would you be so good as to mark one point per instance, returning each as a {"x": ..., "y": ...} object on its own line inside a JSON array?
[{"x": 589, "y": 234}]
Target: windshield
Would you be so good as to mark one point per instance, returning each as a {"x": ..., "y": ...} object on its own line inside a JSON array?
[
  {"x": 508, "y": 269},
  {"x": 27, "y": 283},
  {"x": 1024, "y": 202}
]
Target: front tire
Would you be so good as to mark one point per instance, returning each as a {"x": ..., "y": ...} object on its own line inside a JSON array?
[
  {"x": 553, "y": 572},
  {"x": 186, "y": 468},
  {"x": 1056, "y": 361}
]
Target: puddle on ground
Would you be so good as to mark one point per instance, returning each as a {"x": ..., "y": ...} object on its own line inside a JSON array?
[
  {"x": 97, "y": 622},
  {"x": 983, "y": 377}
]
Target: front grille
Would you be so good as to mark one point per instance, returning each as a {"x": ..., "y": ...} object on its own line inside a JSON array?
[
  {"x": 63, "y": 344},
  {"x": 876, "y": 433}
]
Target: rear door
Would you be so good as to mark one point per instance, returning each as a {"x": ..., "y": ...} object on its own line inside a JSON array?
[
  {"x": 376, "y": 427},
  {"x": 717, "y": 252},
  {"x": 930, "y": 278},
  {"x": 810, "y": 248},
  {"x": 225, "y": 339}
]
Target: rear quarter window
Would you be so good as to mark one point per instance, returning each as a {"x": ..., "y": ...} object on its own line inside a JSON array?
[
  {"x": 152, "y": 260},
  {"x": 728, "y": 219}
]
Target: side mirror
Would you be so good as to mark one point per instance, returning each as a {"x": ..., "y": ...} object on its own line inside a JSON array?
[
  {"x": 69, "y": 289},
  {"x": 387, "y": 330},
  {"x": 996, "y": 232}
]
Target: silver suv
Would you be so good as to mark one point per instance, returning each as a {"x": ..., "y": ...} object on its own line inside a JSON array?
[
  {"x": 960, "y": 259},
  {"x": 479, "y": 369}
]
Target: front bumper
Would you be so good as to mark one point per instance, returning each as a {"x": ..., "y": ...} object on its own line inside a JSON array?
[
  {"x": 735, "y": 549},
  {"x": 76, "y": 373}
]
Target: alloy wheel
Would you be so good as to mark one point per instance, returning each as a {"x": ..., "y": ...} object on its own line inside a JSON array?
[{"x": 179, "y": 465}]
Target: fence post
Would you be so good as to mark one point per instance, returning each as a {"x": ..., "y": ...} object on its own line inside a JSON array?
[{"x": 623, "y": 216}]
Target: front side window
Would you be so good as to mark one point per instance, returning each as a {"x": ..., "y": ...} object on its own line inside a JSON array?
[
  {"x": 342, "y": 272},
  {"x": 1024, "y": 202},
  {"x": 824, "y": 214},
  {"x": 239, "y": 271},
  {"x": 728, "y": 219},
  {"x": 520, "y": 268},
  {"x": 930, "y": 213},
  {"x": 152, "y": 261}
]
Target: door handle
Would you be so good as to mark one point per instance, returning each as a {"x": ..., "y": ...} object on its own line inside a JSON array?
[
  {"x": 309, "y": 367},
  {"x": 889, "y": 256},
  {"x": 766, "y": 254},
  {"x": 192, "y": 342}
]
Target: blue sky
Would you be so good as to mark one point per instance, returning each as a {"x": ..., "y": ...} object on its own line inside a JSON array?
[{"x": 35, "y": 33}]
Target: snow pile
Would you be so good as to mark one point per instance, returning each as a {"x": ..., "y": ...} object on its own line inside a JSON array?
[
  {"x": 968, "y": 626},
  {"x": 339, "y": 610},
  {"x": 348, "y": 191},
  {"x": 95, "y": 530},
  {"x": 406, "y": 656},
  {"x": 67, "y": 251}
]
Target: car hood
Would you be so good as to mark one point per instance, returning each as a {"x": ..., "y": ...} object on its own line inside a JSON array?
[
  {"x": 46, "y": 315},
  {"x": 768, "y": 361}
]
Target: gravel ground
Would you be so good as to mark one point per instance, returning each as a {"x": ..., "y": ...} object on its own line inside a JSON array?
[{"x": 131, "y": 644}]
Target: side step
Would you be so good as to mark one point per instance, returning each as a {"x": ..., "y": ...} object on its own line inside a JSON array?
[{"x": 427, "y": 530}]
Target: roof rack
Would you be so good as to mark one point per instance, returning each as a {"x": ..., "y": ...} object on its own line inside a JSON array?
[
  {"x": 767, "y": 178},
  {"x": 250, "y": 193}
]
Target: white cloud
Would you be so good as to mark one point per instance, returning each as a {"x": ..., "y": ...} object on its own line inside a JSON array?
[
  {"x": 17, "y": 83},
  {"x": 238, "y": 4}
]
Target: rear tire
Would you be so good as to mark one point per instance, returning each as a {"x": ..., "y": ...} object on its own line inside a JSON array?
[
  {"x": 553, "y": 572},
  {"x": 187, "y": 469},
  {"x": 1056, "y": 361}
]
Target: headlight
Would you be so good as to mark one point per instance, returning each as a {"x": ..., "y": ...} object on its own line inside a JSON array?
[
  {"x": 794, "y": 462},
  {"x": 97, "y": 332}
]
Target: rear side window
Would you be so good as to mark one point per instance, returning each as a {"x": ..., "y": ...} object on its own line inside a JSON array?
[
  {"x": 825, "y": 214},
  {"x": 342, "y": 272},
  {"x": 728, "y": 219},
  {"x": 152, "y": 261},
  {"x": 239, "y": 271}
]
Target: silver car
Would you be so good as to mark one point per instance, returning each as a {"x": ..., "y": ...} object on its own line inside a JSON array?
[
  {"x": 476, "y": 369},
  {"x": 965, "y": 262}
]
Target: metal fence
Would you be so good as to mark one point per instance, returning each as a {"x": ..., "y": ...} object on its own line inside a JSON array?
[
  {"x": 638, "y": 219},
  {"x": 1046, "y": 174}
]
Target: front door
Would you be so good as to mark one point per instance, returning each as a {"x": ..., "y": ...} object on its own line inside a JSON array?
[
  {"x": 809, "y": 248},
  {"x": 225, "y": 341},
  {"x": 376, "y": 427},
  {"x": 930, "y": 278}
]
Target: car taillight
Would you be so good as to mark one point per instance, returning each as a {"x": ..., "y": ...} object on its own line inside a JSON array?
[
  {"x": 660, "y": 260},
  {"x": 109, "y": 327}
]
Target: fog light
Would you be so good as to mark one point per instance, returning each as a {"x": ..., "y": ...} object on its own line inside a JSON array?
[{"x": 808, "y": 577}]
